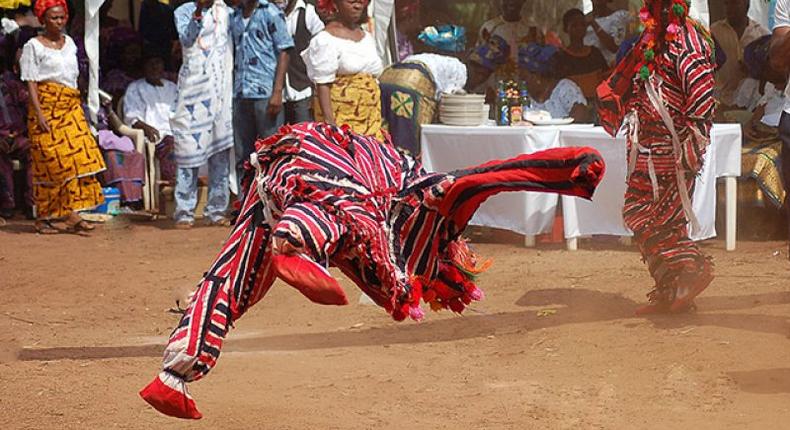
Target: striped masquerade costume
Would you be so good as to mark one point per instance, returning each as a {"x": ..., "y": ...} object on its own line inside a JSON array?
[
  {"x": 325, "y": 196},
  {"x": 669, "y": 116}
]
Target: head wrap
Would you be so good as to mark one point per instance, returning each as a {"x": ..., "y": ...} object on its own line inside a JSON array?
[
  {"x": 445, "y": 38},
  {"x": 491, "y": 54},
  {"x": 755, "y": 55},
  {"x": 42, "y": 6},
  {"x": 328, "y": 7},
  {"x": 537, "y": 58}
]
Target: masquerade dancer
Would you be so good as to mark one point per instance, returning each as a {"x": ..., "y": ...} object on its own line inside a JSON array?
[
  {"x": 664, "y": 89},
  {"x": 325, "y": 196}
]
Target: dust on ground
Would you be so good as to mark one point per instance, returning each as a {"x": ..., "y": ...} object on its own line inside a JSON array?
[{"x": 554, "y": 345}]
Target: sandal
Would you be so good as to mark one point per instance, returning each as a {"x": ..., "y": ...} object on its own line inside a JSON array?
[
  {"x": 84, "y": 226},
  {"x": 184, "y": 225},
  {"x": 66, "y": 227},
  {"x": 219, "y": 222},
  {"x": 44, "y": 227}
]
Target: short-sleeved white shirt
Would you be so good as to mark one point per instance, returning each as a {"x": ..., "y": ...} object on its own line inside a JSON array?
[
  {"x": 39, "y": 63},
  {"x": 783, "y": 20},
  {"x": 329, "y": 56}
]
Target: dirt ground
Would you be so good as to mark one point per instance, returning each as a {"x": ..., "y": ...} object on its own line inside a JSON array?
[{"x": 554, "y": 345}]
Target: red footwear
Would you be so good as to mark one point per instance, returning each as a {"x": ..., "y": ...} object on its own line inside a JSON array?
[
  {"x": 686, "y": 292},
  {"x": 168, "y": 395},
  {"x": 309, "y": 278}
]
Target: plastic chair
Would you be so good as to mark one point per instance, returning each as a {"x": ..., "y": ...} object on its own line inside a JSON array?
[{"x": 148, "y": 149}]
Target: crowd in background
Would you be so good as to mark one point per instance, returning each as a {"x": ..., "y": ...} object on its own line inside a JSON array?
[{"x": 206, "y": 79}]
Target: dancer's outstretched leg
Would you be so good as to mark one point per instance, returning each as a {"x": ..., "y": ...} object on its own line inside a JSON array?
[{"x": 240, "y": 276}]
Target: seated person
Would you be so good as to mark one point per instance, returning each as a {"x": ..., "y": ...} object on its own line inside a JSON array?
[
  {"x": 14, "y": 143},
  {"x": 410, "y": 91},
  {"x": 511, "y": 26},
  {"x": 751, "y": 92},
  {"x": 562, "y": 98},
  {"x": 122, "y": 62},
  {"x": 481, "y": 65},
  {"x": 762, "y": 145},
  {"x": 583, "y": 64},
  {"x": 147, "y": 105}
]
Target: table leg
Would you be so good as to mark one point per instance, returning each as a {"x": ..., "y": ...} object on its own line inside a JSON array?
[
  {"x": 572, "y": 244},
  {"x": 731, "y": 184},
  {"x": 529, "y": 241}
]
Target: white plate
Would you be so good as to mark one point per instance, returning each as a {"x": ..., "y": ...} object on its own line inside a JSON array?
[{"x": 553, "y": 121}]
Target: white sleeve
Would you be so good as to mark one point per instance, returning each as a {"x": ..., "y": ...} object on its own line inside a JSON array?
[
  {"x": 621, "y": 26},
  {"x": 28, "y": 63},
  {"x": 322, "y": 58},
  {"x": 782, "y": 17},
  {"x": 570, "y": 94},
  {"x": 744, "y": 95},
  {"x": 133, "y": 104},
  {"x": 313, "y": 21}
]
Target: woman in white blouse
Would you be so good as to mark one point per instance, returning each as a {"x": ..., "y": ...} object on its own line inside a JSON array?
[
  {"x": 64, "y": 154},
  {"x": 562, "y": 98},
  {"x": 343, "y": 63}
]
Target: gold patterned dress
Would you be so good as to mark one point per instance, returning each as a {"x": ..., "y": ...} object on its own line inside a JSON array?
[{"x": 66, "y": 159}]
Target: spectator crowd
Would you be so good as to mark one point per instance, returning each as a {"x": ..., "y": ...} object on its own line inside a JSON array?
[{"x": 204, "y": 80}]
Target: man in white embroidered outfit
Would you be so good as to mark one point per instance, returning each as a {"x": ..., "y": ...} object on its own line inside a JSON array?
[{"x": 201, "y": 121}]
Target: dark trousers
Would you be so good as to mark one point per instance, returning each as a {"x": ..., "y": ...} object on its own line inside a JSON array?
[
  {"x": 250, "y": 123},
  {"x": 299, "y": 111}
]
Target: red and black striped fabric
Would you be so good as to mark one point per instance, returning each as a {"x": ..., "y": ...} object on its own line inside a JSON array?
[
  {"x": 324, "y": 196},
  {"x": 685, "y": 79}
]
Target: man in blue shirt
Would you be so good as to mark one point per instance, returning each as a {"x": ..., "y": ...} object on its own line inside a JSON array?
[{"x": 262, "y": 48}]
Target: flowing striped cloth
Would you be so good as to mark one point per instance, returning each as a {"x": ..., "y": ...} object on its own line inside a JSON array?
[{"x": 325, "y": 196}]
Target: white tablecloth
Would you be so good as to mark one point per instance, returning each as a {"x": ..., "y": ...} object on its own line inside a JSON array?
[
  {"x": 446, "y": 148},
  {"x": 603, "y": 215}
]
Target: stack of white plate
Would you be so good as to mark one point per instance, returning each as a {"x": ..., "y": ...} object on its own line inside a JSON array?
[{"x": 462, "y": 109}]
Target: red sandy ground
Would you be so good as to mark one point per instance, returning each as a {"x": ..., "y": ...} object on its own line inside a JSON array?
[{"x": 553, "y": 346}]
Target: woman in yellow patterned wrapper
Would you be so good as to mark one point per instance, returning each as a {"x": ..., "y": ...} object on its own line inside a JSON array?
[
  {"x": 343, "y": 63},
  {"x": 64, "y": 154}
]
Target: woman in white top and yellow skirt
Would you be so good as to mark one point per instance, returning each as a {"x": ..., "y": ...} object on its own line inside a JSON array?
[
  {"x": 65, "y": 156},
  {"x": 343, "y": 63}
]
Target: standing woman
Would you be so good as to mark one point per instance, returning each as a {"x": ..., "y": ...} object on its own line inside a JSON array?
[
  {"x": 343, "y": 63},
  {"x": 65, "y": 156},
  {"x": 606, "y": 29}
]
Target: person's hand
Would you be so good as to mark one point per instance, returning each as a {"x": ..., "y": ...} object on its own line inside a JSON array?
[
  {"x": 151, "y": 133},
  {"x": 43, "y": 125},
  {"x": 275, "y": 104}
]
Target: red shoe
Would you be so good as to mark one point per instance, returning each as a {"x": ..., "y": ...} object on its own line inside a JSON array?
[
  {"x": 686, "y": 292},
  {"x": 168, "y": 395}
]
